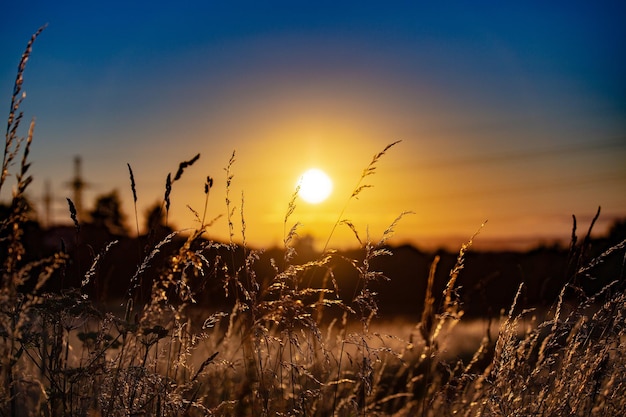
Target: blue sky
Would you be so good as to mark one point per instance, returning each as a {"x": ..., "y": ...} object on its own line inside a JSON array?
[{"x": 512, "y": 113}]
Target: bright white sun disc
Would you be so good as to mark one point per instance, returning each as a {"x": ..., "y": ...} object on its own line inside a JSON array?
[{"x": 315, "y": 186}]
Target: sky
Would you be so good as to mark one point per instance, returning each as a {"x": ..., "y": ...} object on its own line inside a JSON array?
[{"x": 514, "y": 114}]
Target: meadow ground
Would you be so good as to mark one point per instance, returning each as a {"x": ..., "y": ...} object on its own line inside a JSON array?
[{"x": 276, "y": 345}]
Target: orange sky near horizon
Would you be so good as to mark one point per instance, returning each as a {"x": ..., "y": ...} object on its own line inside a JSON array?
[{"x": 517, "y": 117}]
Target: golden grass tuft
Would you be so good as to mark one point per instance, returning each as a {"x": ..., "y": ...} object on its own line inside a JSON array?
[{"x": 277, "y": 344}]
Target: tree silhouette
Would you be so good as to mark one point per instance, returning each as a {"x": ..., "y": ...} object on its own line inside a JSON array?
[
  {"x": 108, "y": 214},
  {"x": 155, "y": 220}
]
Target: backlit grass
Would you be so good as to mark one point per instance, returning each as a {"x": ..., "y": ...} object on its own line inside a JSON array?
[{"x": 281, "y": 343}]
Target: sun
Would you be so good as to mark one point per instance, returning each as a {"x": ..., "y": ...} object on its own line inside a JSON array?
[{"x": 315, "y": 186}]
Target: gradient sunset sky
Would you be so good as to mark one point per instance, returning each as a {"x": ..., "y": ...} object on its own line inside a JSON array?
[{"x": 515, "y": 113}]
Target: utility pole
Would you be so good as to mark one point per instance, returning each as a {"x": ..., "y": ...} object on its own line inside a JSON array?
[
  {"x": 47, "y": 203},
  {"x": 78, "y": 185}
]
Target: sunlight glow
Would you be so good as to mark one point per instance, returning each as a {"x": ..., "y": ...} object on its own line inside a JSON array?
[{"x": 315, "y": 186}]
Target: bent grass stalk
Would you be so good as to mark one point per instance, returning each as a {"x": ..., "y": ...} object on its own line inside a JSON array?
[
  {"x": 255, "y": 349},
  {"x": 358, "y": 188}
]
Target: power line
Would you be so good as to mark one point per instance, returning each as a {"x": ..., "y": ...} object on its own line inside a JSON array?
[
  {"x": 543, "y": 186},
  {"x": 524, "y": 154}
]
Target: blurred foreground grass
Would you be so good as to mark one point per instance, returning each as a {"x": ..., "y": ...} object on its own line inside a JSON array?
[{"x": 284, "y": 346}]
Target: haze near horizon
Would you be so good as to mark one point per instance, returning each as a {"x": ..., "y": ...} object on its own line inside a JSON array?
[{"x": 511, "y": 114}]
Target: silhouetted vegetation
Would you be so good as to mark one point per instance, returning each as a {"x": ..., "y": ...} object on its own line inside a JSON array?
[{"x": 94, "y": 322}]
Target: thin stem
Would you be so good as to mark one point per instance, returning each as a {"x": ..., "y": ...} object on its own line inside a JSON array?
[
  {"x": 369, "y": 170},
  {"x": 338, "y": 376}
]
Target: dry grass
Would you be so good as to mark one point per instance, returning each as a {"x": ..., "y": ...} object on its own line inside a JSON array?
[{"x": 284, "y": 347}]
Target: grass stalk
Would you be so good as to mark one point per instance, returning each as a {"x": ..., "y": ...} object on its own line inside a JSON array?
[{"x": 62, "y": 354}]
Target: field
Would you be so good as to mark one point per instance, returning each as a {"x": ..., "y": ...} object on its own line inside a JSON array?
[{"x": 288, "y": 342}]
